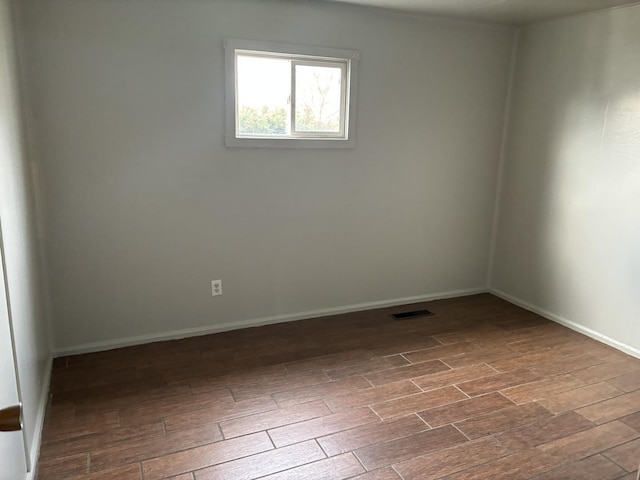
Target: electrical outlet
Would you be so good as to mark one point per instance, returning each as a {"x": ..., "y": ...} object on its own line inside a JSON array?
[{"x": 216, "y": 287}]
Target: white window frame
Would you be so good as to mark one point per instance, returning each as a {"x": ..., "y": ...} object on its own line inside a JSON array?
[{"x": 347, "y": 60}]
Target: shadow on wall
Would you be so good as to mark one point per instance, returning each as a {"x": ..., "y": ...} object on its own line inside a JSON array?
[{"x": 571, "y": 223}]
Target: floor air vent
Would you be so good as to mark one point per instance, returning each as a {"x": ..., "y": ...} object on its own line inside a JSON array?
[{"x": 413, "y": 314}]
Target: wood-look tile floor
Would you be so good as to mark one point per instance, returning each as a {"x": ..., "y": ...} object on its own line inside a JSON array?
[{"x": 481, "y": 390}]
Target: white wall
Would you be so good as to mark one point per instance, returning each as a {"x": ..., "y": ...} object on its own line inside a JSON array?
[
  {"x": 22, "y": 246},
  {"x": 146, "y": 205},
  {"x": 569, "y": 232}
]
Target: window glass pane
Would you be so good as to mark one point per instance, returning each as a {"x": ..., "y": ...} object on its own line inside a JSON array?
[
  {"x": 264, "y": 86},
  {"x": 318, "y": 98}
]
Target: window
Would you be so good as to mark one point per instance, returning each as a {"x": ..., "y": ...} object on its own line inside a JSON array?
[{"x": 281, "y": 95}]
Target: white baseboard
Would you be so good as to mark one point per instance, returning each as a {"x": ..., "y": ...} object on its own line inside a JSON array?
[
  {"x": 256, "y": 322},
  {"x": 34, "y": 448},
  {"x": 567, "y": 323}
]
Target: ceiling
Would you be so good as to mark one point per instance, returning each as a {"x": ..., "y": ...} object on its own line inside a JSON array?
[{"x": 513, "y": 12}]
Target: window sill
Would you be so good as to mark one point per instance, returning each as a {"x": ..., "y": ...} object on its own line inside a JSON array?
[{"x": 331, "y": 143}]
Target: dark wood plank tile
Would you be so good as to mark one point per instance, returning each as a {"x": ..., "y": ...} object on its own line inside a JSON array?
[
  {"x": 468, "y": 335},
  {"x": 628, "y": 382},
  {"x": 484, "y": 355},
  {"x": 77, "y": 426},
  {"x": 451, "y": 460},
  {"x": 216, "y": 412},
  {"x": 327, "y": 362},
  {"x": 496, "y": 337},
  {"x": 151, "y": 412},
  {"x": 592, "y": 468},
  {"x": 542, "y": 388},
  {"x": 519, "y": 466},
  {"x": 294, "y": 352},
  {"x": 454, "y": 377},
  {"x": 502, "y": 420},
  {"x": 335, "y": 468},
  {"x": 386, "y": 473},
  {"x": 110, "y": 438},
  {"x": 318, "y": 427},
  {"x": 590, "y": 442},
  {"x": 281, "y": 384},
  {"x": 568, "y": 364},
  {"x": 61, "y": 467},
  {"x": 524, "y": 321},
  {"x": 497, "y": 382},
  {"x": 548, "y": 362},
  {"x": 632, "y": 420},
  {"x": 395, "y": 344},
  {"x": 274, "y": 418},
  {"x": 114, "y": 400},
  {"x": 359, "y": 437},
  {"x": 262, "y": 464},
  {"x": 626, "y": 455},
  {"x": 124, "y": 472},
  {"x": 612, "y": 409},
  {"x": 444, "y": 351},
  {"x": 369, "y": 396},
  {"x": 544, "y": 431},
  {"x": 528, "y": 346},
  {"x": 463, "y": 409},
  {"x": 609, "y": 370},
  {"x": 324, "y": 390},
  {"x": 208, "y": 383},
  {"x": 370, "y": 365},
  {"x": 395, "y": 451},
  {"x": 418, "y": 402},
  {"x": 406, "y": 373},
  {"x": 205, "y": 456},
  {"x": 149, "y": 446},
  {"x": 579, "y": 397}
]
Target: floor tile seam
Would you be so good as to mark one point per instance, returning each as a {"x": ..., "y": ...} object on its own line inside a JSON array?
[
  {"x": 461, "y": 391},
  {"x": 614, "y": 462},
  {"x": 393, "y": 467}
]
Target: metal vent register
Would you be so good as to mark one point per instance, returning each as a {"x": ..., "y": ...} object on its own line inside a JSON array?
[{"x": 412, "y": 314}]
